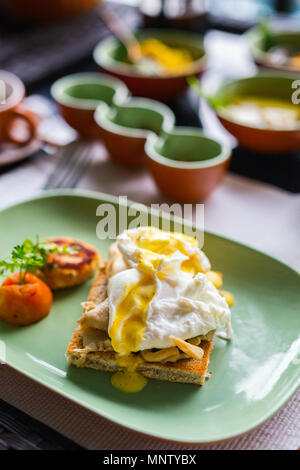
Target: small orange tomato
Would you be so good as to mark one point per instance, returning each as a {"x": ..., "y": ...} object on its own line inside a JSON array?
[{"x": 23, "y": 304}]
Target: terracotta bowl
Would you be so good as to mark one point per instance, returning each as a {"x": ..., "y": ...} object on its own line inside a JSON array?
[
  {"x": 185, "y": 164},
  {"x": 255, "y": 138},
  {"x": 18, "y": 125},
  {"x": 46, "y": 10},
  {"x": 79, "y": 95},
  {"x": 126, "y": 126},
  {"x": 111, "y": 56},
  {"x": 259, "y": 49}
]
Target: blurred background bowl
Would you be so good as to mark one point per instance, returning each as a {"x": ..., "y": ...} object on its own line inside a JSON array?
[
  {"x": 259, "y": 139},
  {"x": 78, "y": 96},
  {"x": 185, "y": 164},
  {"x": 46, "y": 10},
  {"x": 261, "y": 46},
  {"x": 125, "y": 128},
  {"x": 111, "y": 56}
]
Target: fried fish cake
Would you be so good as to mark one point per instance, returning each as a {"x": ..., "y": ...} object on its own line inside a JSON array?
[{"x": 66, "y": 269}]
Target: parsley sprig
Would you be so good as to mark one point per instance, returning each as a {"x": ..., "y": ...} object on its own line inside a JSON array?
[
  {"x": 268, "y": 38},
  {"x": 216, "y": 101},
  {"x": 31, "y": 256}
]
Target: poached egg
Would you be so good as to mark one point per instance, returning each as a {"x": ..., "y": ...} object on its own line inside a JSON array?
[{"x": 164, "y": 292}]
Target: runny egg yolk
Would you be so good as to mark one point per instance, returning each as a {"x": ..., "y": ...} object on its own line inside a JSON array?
[
  {"x": 156, "y": 249},
  {"x": 191, "y": 265},
  {"x": 130, "y": 320},
  {"x": 129, "y": 381},
  {"x": 168, "y": 246},
  {"x": 126, "y": 333}
]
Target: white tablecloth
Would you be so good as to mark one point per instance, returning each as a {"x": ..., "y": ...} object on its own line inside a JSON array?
[{"x": 254, "y": 213}]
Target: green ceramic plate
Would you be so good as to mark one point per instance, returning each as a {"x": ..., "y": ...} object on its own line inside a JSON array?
[{"x": 252, "y": 377}]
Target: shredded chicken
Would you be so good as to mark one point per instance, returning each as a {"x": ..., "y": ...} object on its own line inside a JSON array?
[
  {"x": 192, "y": 351},
  {"x": 162, "y": 355},
  {"x": 96, "y": 340},
  {"x": 95, "y": 316},
  {"x": 195, "y": 341},
  {"x": 116, "y": 262}
]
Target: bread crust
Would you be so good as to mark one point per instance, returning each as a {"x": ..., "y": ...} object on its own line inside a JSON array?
[{"x": 184, "y": 371}]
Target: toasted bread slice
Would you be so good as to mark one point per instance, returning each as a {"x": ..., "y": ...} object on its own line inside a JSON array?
[{"x": 184, "y": 371}]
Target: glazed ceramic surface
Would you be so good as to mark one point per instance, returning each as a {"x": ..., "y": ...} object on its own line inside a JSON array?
[
  {"x": 78, "y": 96},
  {"x": 13, "y": 109},
  {"x": 252, "y": 376},
  {"x": 126, "y": 126},
  {"x": 186, "y": 164}
]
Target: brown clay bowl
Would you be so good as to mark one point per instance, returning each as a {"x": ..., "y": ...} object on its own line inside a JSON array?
[
  {"x": 126, "y": 126},
  {"x": 185, "y": 164},
  {"x": 78, "y": 96},
  {"x": 111, "y": 56},
  {"x": 259, "y": 139}
]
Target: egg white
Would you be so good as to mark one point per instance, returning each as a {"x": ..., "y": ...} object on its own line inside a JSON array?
[
  {"x": 185, "y": 308},
  {"x": 185, "y": 304}
]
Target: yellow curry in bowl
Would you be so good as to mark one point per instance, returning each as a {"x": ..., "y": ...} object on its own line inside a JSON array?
[
  {"x": 263, "y": 113},
  {"x": 168, "y": 60},
  {"x": 260, "y": 111}
]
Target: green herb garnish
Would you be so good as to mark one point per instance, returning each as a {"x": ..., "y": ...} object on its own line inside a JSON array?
[
  {"x": 268, "y": 39},
  {"x": 31, "y": 256},
  {"x": 216, "y": 101}
]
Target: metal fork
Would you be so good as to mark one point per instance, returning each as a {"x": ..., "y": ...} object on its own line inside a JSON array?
[{"x": 74, "y": 160}]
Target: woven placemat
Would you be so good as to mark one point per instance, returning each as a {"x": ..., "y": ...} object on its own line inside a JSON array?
[
  {"x": 93, "y": 432},
  {"x": 16, "y": 432}
]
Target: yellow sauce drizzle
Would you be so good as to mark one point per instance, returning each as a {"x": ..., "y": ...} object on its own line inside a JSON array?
[
  {"x": 129, "y": 381},
  {"x": 263, "y": 112},
  {"x": 130, "y": 320}
]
